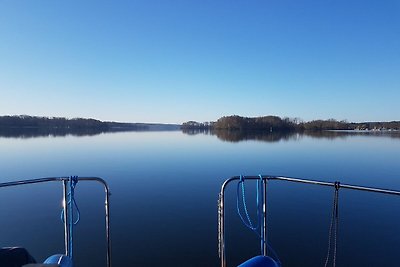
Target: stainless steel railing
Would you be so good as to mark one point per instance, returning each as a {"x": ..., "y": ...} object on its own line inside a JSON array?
[
  {"x": 265, "y": 179},
  {"x": 64, "y": 181}
]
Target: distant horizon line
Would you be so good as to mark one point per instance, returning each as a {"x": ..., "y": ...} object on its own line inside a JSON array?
[{"x": 176, "y": 123}]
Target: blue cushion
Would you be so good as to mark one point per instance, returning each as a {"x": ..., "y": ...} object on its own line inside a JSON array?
[
  {"x": 61, "y": 260},
  {"x": 260, "y": 261}
]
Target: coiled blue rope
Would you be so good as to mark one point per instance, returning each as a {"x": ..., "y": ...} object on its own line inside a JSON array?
[
  {"x": 71, "y": 200},
  {"x": 70, "y": 205}
]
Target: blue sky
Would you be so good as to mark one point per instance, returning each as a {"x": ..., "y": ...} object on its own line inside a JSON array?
[{"x": 177, "y": 60}]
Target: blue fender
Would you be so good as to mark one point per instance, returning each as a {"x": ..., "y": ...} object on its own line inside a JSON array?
[
  {"x": 61, "y": 260},
  {"x": 260, "y": 261}
]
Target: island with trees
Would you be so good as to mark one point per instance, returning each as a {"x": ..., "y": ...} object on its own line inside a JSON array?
[
  {"x": 275, "y": 123},
  {"x": 273, "y": 128}
]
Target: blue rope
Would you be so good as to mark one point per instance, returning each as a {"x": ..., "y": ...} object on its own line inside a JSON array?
[
  {"x": 74, "y": 181},
  {"x": 259, "y": 201},
  {"x": 70, "y": 205},
  {"x": 247, "y": 223},
  {"x": 71, "y": 199}
]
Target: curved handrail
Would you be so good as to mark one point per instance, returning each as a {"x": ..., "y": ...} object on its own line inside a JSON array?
[
  {"x": 265, "y": 178},
  {"x": 64, "y": 179}
]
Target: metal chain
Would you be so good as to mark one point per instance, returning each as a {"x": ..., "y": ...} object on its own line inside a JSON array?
[
  {"x": 220, "y": 225},
  {"x": 334, "y": 224}
]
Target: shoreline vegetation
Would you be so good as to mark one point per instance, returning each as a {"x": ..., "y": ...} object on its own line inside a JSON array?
[
  {"x": 273, "y": 129},
  {"x": 230, "y": 128},
  {"x": 277, "y": 124},
  {"x": 25, "y": 126}
]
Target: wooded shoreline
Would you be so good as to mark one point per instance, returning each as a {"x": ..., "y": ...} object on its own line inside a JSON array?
[
  {"x": 234, "y": 122},
  {"x": 275, "y": 123}
]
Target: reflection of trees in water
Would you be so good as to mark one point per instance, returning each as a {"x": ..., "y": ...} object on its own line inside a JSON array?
[
  {"x": 45, "y": 132},
  {"x": 327, "y": 134},
  {"x": 193, "y": 131},
  {"x": 345, "y": 134},
  {"x": 237, "y": 135},
  {"x": 225, "y": 135},
  {"x": 9, "y": 132}
]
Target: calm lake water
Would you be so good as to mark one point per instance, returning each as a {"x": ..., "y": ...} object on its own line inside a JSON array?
[{"x": 165, "y": 188}]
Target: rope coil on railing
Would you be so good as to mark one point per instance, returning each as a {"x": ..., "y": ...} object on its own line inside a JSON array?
[
  {"x": 70, "y": 205},
  {"x": 71, "y": 200}
]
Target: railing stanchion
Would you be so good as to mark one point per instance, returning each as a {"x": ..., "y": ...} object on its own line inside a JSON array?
[
  {"x": 65, "y": 217},
  {"x": 264, "y": 214}
]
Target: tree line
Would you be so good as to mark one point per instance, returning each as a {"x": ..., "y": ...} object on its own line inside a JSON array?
[
  {"x": 25, "y": 126},
  {"x": 275, "y": 123},
  {"x": 269, "y": 123},
  {"x": 25, "y": 121},
  {"x": 234, "y": 122}
]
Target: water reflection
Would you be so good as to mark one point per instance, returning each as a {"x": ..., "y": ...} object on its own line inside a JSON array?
[
  {"x": 345, "y": 134},
  {"x": 46, "y": 132},
  {"x": 165, "y": 187},
  {"x": 238, "y": 136},
  {"x": 224, "y": 135},
  {"x": 33, "y": 132}
]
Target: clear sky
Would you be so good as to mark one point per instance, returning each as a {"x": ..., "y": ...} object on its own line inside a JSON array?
[{"x": 177, "y": 60}]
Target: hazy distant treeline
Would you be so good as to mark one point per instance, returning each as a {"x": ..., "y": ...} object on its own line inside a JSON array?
[
  {"x": 59, "y": 123},
  {"x": 25, "y": 126},
  {"x": 275, "y": 123},
  {"x": 235, "y": 122},
  {"x": 24, "y": 121},
  {"x": 331, "y": 124}
]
